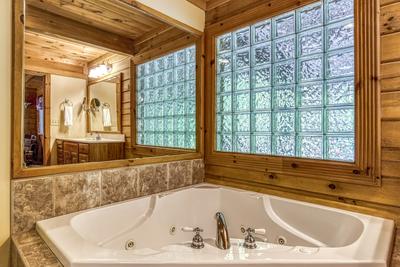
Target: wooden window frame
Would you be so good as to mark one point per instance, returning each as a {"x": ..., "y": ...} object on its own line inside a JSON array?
[
  {"x": 148, "y": 150},
  {"x": 366, "y": 169}
]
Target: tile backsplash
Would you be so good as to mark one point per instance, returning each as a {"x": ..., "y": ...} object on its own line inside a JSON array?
[{"x": 41, "y": 198}]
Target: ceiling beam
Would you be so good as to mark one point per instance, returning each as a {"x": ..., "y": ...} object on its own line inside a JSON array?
[
  {"x": 161, "y": 14},
  {"x": 109, "y": 58},
  {"x": 151, "y": 35},
  {"x": 41, "y": 21},
  {"x": 45, "y": 66},
  {"x": 199, "y": 3},
  {"x": 169, "y": 36},
  {"x": 164, "y": 47}
]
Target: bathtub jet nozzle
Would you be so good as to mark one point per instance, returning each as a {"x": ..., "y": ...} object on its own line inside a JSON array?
[{"x": 222, "y": 241}]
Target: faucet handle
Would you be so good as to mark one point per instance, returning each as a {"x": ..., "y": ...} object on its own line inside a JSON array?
[
  {"x": 249, "y": 230},
  {"x": 260, "y": 231},
  {"x": 197, "y": 242},
  {"x": 249, "y": 240},
  {"x": 192, "y": 229}
]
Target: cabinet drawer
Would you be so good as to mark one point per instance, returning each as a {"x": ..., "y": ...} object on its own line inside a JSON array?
[
  {"x": 83, "y": 158},
  {"x": 74, "y": 157},
  {"x": 84, "y": 148},
  {"x": 60, "y": 153},
  {"x": 59, "y": 144},
  {"x": 71, "y": 147},
  {"x": 60, "y": 159},
  {"x": 67, "y": 157}
]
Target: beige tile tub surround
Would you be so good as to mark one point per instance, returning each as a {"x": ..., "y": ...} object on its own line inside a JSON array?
[
  {"x": 32, "y": 200},
  {"x": 41, "y": 198},
  {"x": 76, "y": 192},
  {"x": 181, "y": 171},
  {"x": 119, "y": 185},
  {"x": 29, "y": 250},
  {"x": 156, "y": 178},
  {"x": 198, "y": 171}
]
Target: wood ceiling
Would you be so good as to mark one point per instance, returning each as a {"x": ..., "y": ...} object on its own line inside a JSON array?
[
  {"x": 116, "y": 26},
  {"x": 66, "y": 35},
  {"x": 75, "y": 32},
  {"x": 219, "y": 10},
  {"x": 42, "y": 47},
  {"x": 108, "y": 15}
]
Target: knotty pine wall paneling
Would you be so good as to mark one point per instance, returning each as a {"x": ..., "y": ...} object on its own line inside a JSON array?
[{"x": 382, "y": 200}]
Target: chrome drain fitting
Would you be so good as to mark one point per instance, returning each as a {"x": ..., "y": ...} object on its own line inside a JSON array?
[
  {"x": 130, "y": 244},
  {"x": 172, "y": 230},
  {"x": 281, "y": 240}
]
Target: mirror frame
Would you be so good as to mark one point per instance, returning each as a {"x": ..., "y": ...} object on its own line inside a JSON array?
[
  {"x": 17, "y": 169},
  {"x": 119, "y": 104}
]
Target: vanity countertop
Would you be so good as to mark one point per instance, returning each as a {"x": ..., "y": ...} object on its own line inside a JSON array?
[{"x": 92, "y": 140}]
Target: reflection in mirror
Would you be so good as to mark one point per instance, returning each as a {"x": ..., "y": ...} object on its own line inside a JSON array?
[
  {"x": 34, "y": 119},
  {"x": 95, "y": 104},
  {"x": 65, "y": 120},
  {"x": 104, "y": 105},
  {"x": 78, "y": 101}
]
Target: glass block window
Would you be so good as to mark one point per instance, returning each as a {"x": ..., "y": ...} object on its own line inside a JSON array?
[
  {"x": 285, "y": 85},
  {"x": 166, "y": 100}
]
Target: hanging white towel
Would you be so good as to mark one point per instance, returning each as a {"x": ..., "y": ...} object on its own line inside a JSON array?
[
  {"x": 106, "y": 117},
  {"x": 68, "y": 115}
]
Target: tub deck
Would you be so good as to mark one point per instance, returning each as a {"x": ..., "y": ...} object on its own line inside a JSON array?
[{"x": 316, "y": 235}]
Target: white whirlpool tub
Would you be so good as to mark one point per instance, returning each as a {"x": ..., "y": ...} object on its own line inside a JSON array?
[{"x": 296, "y": 233}]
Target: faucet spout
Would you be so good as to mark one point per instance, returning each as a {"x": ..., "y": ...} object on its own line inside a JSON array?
[{"x": 222, "y": 241}]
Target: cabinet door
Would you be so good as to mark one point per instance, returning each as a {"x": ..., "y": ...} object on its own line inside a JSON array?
[
  {"x": 70, "y": 146},
  {"x": 70, "y": 152},
  {"x": 74, "y": 157},
  {"x": 60, "y": 156},
  {"x": 67, "y": 157},
  {"x": 84, "y": 148},
  {"x": 83, "y": 158}
]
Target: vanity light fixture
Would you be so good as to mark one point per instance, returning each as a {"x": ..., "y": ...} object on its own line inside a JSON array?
[{"x": 100, "y": 70}]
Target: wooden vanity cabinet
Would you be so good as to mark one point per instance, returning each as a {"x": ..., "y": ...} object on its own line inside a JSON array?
[
  {"x": 60, "y": 152},
  {"x": 69, "y": 152},
  {"x": 84, "y": 153}
]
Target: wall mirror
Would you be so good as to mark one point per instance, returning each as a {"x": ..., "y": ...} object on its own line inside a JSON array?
[
  {"x": 104, "y": 105},
  {"x": 77, "y": 100}
]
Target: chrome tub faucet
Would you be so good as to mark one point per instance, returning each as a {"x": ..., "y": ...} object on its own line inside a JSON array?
[{"x": 222, "y": 241}]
